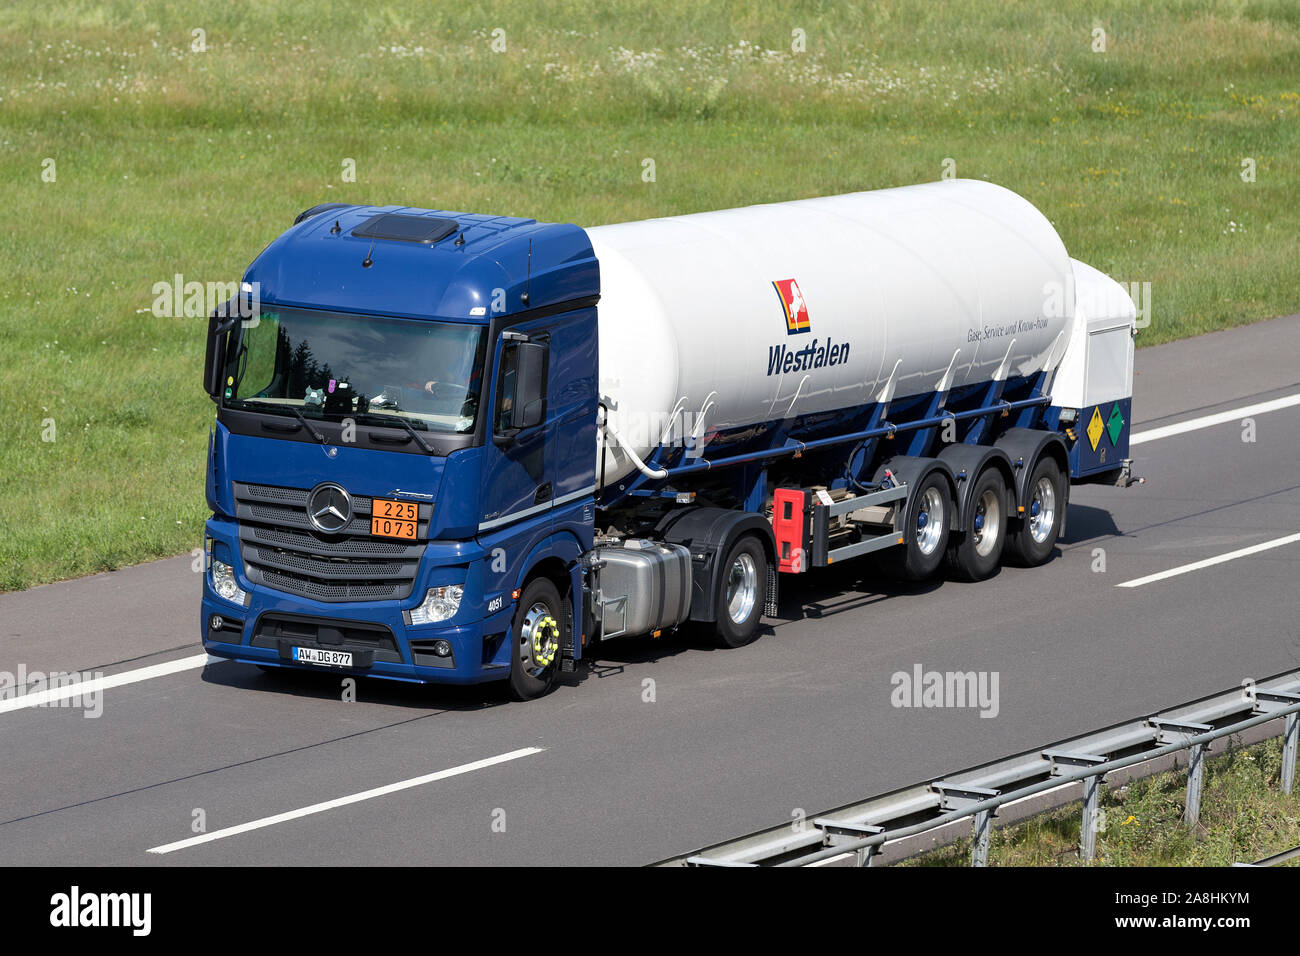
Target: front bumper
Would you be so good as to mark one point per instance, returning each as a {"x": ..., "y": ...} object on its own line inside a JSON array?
[{"x": 375, "y": 633}]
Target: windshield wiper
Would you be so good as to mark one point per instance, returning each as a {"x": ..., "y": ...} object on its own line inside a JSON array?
[
  {"x": 401, "y": 420},
  {"x": 308, "y": 425},
  {"x": 296, "y": 414}
]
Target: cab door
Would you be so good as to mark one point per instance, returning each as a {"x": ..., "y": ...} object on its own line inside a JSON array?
[{"x": 518, "y": 480}]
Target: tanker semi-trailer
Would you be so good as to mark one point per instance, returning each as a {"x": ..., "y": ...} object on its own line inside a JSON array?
[{"x": 463, "y": 448}]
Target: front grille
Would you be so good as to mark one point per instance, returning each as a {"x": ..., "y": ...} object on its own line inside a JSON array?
[{"x": 284, "y": 551}]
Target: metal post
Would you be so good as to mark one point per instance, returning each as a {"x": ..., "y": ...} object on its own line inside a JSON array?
[
  {"x": 980, "y": 850},
  {"x": 1290, "y": 740},
  {"x": 835, "y": 833},
  {"x": 1069, "y": 761},
  {"x": 1267, "y": 701},
  {"x": 1195, "y": 775},
  {"x": 1088, "y": 831},
  {"x": 958, "y": 796},
  {"x": 1172, "y": 731}
]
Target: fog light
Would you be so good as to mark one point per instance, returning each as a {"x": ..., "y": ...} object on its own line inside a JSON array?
[
  {"x": 439, "y": 604},
  {"x": 224, "y": 583},
  {"x": 442, "y": 648},
  {"x": 217, "y": 623}
]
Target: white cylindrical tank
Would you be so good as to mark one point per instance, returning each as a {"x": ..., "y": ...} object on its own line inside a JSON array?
[{"x": 718, "y": 320}]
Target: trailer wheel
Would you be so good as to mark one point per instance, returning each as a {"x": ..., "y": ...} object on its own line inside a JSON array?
[
  {"x": 1032, "y": 544},
  {"x": 538, "y": 635},
  {"x": 975, "y": 556},
  {"x": 740, "y": 588},
  {"x": 925, "y": 529}
]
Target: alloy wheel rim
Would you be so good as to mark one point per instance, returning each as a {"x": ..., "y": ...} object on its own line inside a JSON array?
[
  {"x": 987, "y": 523},
  {"x": 1042, "y": 513},
  {"x": 929, "y": 521},
  {"x": 742, "y": 588}
]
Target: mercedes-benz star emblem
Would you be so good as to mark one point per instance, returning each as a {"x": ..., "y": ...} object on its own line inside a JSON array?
[{"x": 329, "y": 507}]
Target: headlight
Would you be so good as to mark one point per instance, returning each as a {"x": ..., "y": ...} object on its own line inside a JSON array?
[
  {"x": 223, "y": 582},
  {"x": 438, "y": 605}
]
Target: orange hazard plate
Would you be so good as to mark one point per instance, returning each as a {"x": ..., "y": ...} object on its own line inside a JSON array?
[{"x": 393, "y": 519}]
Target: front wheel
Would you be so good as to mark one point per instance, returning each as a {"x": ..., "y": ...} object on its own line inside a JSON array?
[
  {"x": 739, "y": 593},
  {"x": 540, "y": 627},
  {"x": 1032, "y": 544}
]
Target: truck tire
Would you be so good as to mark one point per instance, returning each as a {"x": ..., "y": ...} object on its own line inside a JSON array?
[
  {"x": 975, "y": 554},
  {"x": 1032, "y": 544},
  {"x": 741, "y": 585},
  {"x": 925, "y": 528},
  {"x": 538, "y": 632}
]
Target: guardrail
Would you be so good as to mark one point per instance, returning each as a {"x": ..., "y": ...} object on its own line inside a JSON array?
[
  {"x": 1276, "y": 858},
  {"x": 862, "y": 828}
]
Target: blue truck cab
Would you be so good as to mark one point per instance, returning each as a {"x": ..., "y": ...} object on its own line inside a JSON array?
[{"x": 385, "y": 523}]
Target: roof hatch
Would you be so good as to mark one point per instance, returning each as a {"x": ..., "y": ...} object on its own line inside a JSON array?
[{"x": 395, "y": 226}]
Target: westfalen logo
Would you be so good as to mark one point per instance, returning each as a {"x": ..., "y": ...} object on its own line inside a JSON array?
[
  {"x": 796, "y": 309},
  {"x": 814, "y": 355}
]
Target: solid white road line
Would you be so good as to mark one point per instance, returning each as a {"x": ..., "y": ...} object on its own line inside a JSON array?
[
  {"x": 1209, "y": 562},
  {"x": 95, "y": 684},
  {"x": 344, "y": 801},
  {"x": 1237, "y": 414}
]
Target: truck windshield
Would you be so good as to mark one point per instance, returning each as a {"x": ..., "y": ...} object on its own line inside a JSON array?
[{"x": 333, "y": 365}]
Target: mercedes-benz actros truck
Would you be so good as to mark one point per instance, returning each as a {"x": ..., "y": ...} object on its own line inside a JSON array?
[{"x": 461, "y": 448}]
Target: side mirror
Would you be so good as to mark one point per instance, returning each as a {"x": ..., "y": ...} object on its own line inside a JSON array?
[
  {"x": 529, "y": 408},
  {"x": 214, "y": 359}
]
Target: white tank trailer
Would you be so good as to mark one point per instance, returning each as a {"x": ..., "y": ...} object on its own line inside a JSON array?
[
  {"x": 914, "y": 373},
  {"x": 716, "y": 321}
]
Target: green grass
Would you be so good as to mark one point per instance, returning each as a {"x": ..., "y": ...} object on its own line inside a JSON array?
[
  {"x": 1244, "y": 817},
  {"x": 170, "y": 161}
]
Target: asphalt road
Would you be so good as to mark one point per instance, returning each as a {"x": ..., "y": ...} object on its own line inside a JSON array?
[{"x": 666, "y": 746}]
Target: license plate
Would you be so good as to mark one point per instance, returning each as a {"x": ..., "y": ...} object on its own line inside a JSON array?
[
  {"x": 312, "y": 655},
  {"x": 393, "y": 519}
]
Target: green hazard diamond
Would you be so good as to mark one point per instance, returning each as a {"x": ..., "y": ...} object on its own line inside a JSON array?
[
  {"x": 1115, "y": 425},
  {"x": 1095, "y": 428}
]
